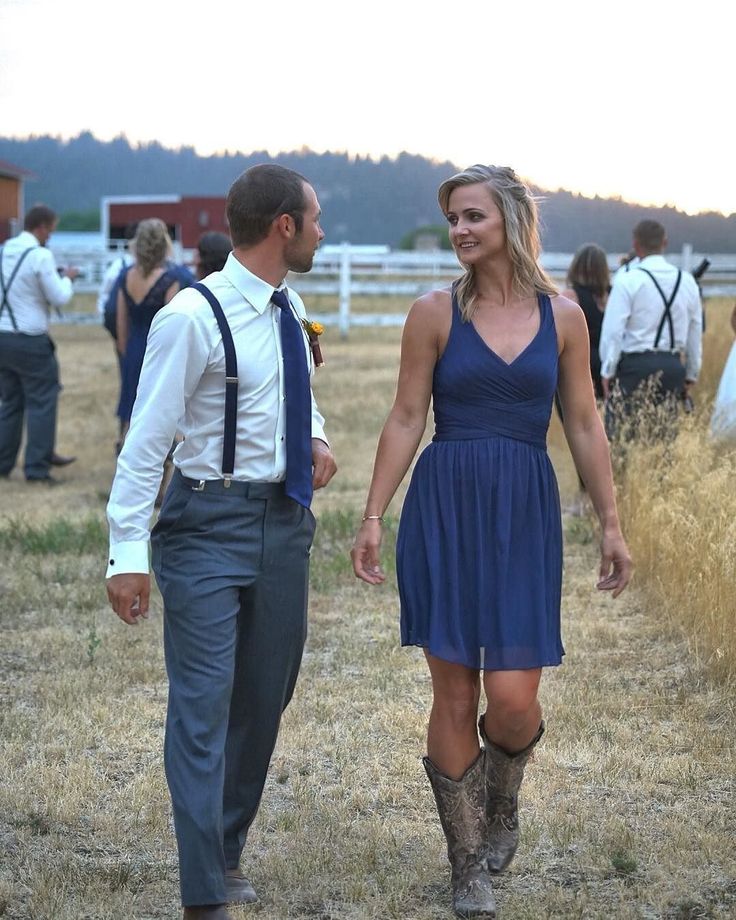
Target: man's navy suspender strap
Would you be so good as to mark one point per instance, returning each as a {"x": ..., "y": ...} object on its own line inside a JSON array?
[
  {"x": 5, "y": 288},
  {"x": 231, "y": 384},
  {"x": 667, "y": 315}
]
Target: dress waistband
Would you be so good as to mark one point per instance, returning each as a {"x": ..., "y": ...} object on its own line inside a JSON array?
[{"x": 447, "y": 433}]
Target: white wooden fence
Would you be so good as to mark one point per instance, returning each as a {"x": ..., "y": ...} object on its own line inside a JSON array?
[{"x": 346, "y": 271}]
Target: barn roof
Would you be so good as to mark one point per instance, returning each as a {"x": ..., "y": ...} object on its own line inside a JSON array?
[{"x": 15, "y": 172}]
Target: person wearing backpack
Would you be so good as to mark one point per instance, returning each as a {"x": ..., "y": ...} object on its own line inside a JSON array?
[{"x": 651, "y": 337}]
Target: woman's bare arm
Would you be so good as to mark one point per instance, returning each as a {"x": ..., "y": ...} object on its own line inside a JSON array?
[
  {"x": 425, "y": 328},
  {"x": 588, "y": 443}
]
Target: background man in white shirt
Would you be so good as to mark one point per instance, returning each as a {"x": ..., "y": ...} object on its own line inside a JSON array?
[
  {"x": 30, "y": 286},
  {"x": 652, "y": 325},
  {"x": 231, "y": 546}
]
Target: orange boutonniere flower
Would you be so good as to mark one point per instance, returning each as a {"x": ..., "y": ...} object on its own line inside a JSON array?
[{"x": 314, "y": 330}]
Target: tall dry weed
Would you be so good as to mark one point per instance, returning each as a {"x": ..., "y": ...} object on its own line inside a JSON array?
[{"x": 677, "y": 498}]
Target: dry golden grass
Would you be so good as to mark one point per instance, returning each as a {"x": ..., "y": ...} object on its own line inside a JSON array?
[
  {"x": 626, "y": 812},
  {"x": 678, "y": 503}
]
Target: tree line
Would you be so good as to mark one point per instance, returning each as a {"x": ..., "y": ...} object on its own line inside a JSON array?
[{"x": 364, "y": 200}]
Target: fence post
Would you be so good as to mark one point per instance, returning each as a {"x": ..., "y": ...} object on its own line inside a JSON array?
[
  {"x": 686, "y": 259},
  {"x": 344, "y": 290}
]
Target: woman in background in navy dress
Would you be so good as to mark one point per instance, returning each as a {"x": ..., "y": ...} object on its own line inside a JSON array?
[
  {"x": 479, "y": 549},
  {"x": 148, "y": 285}
]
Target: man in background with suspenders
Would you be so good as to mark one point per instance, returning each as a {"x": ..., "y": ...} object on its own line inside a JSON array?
[
  {"x": 228, "y": 364},
  {"x": 652, "y": 326},
  {"x": 30, "y": 286}
]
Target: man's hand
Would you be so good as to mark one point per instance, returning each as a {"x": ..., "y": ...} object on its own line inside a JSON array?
[
  {"x": 323, "y": 462},
  {"x": 129, "y": 594},
  {"x": 71, "y": 272}
]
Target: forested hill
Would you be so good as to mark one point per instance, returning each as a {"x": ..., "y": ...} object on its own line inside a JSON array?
[{"x": 363, "y": 200}]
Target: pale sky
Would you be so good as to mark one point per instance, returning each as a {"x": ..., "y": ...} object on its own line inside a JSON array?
[{"x": 628, "y": 99}]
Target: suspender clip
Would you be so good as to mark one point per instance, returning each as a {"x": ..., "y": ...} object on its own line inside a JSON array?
[
  {"x": 228, "y": 479},
  {"x": 231, "y": 380}
]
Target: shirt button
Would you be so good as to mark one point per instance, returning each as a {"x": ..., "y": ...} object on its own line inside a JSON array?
[{"x": 282, "y": 437}]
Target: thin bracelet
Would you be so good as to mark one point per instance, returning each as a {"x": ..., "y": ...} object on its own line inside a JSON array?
[{"x": 373, "y": 517}]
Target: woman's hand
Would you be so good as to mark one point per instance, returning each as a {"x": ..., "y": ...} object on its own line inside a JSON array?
[
  {"x": 616, "y": 565},
  {"x": 366, "y": 553}
]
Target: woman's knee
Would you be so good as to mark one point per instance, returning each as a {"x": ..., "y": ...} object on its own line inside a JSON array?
[
  {"x": 457, "y": 701},
  {"x": 513, "y": 701}
]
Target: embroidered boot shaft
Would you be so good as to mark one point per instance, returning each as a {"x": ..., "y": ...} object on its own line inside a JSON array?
[
  {"x": 503, "y": 775},
  {"x": 461, "y": 808}
]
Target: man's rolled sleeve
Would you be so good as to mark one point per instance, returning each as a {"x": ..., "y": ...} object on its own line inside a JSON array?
[
  {"x": 615, "y": 317},
  {"x": 318, "y": 423},
  {"x": 57, "y": 291}
]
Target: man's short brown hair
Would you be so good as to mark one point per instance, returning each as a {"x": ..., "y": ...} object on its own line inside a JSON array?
[
  {"x": 650, "y": 235},
  {"x": 260, "y": 195},
  {"x": 39, "y": 216}
]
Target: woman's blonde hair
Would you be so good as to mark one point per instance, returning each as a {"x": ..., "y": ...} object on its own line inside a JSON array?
[
  {"x": 521, "y": 224},
  {"x": 589, "y": 268},
  {"x": 151, "y": 244}
]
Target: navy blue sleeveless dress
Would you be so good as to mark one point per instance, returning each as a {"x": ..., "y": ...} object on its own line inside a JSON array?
[
  {"x": 479, "y": 547},
  {"x": 140, "y": 319}
]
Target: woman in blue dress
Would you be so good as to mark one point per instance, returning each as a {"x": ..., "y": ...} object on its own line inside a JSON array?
[
  {"x": 479, "y": 549},
  {"x": 148, "y": 285}
]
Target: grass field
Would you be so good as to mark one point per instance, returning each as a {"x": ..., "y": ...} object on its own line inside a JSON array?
[{"x": 628, "y": 808}]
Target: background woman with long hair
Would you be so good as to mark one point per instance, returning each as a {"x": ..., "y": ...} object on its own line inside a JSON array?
[{"x": 149, "y": 283}]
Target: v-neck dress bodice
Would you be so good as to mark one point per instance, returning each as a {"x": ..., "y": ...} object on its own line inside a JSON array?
[
  {"x": 140, "y": 317},
  {"x": 479, "y": 548}
]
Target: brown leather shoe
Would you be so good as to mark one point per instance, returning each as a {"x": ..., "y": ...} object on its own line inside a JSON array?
[
  {"x": 58, "y": 460},
  {"x": 207, "y": 912},
  {"x": 239, "y": 889}
]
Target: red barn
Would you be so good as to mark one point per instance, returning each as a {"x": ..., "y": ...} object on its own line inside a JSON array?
[
  {"x": 11, "y": 198},
  {"x": 186, "y": 217}
]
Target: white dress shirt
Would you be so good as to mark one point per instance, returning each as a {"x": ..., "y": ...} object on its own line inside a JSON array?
[
  {"x": 110, "y": 277},
  {"x": 36, "y": 288},
  {"x": 623, "y": 270},
  {"x": 634, "y": 311},
  {"x": 182, "y": 388}
]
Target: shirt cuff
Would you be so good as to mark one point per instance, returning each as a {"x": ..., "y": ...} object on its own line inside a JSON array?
[
  {"x": 128, "y": 558},
  {"x": 319, "y": 432},
  {"x": 608, "y": 369}
]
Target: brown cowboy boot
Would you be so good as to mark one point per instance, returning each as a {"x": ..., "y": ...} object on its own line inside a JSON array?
[
  {"x": 460, "y": 804},
  {"x": 503, "y": 775}
]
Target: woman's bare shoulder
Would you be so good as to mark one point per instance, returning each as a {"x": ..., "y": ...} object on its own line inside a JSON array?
[
  {"x": 569, "y": 320},
  {"x": 565, "y": 308},
  {"x": 434, "y": 306},
  {"x": 430, "y": 317}
]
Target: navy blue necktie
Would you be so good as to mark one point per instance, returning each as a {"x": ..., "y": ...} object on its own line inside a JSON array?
[{"x": 298, "y": 405}]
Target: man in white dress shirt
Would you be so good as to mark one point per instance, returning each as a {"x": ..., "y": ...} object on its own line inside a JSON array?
[
  {"x": 231, "y": 545},
  {"x": 652, "y": 327},
  {"x": 30, "y": 285}
]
